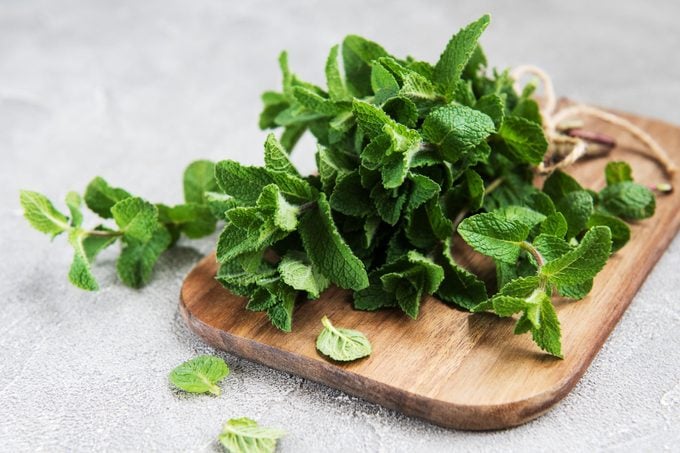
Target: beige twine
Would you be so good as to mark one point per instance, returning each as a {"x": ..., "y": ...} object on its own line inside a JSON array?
[{"x": 553, "y": 117}]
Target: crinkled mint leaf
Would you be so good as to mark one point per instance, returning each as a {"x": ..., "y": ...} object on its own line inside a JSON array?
[
  {"x": 200, "y": 375},
  {"x": 458, "y": 52},
  {"x": 582, "y": 263},
  {"x": 576, "y": 207},
  {"x": 494, "y": 236},
  {"x": 297, "y": 272},
  {"x": 548, "y": 335},
  {"x": 525, "y": 140},
  {"x": 74, "y": 202},
  {"x": 628, "y": 200},
  {"x": 199, "y": 178},
  {"x": 328, "y": 251},
  {"x": 136, "y": 218},
  {"x": 357, "y": 55},
  {"x": 41, "y": 213},
  {"x": 243, "y": 435},
  {"x": 620, "y": 230},
  {"x": 617, "y": 172},
  {"x": 100, "y": 197},
  {"x": 340, "y": 344},
  {"x": 276, "y": 157},
  {"x": 456, "y": 129},
  {"x": 137, "y": 259},
  {"x": 459, "y": 286}
]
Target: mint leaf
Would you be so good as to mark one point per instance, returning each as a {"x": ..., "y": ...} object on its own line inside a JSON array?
[
  {"x": 243, "y": 435},
  {"x": 41, "y": 213},
  {"x": 100, "y": 197},
  {"x": 458, "y": 52},
  {"x": 357, "y": 55},
  {"x": 494, "y": 236},
  {"x": 576, "y": 207},
  {"x": 200, "y": 375},
  {"x": 336, "y": 86},
  {"x": 80, "y": 274},
  {"x": 548, "y": 335},
  {"x": 582, "y": 263},
  {"x": 343, "y": 345},
  {"x": 298, "y": 273},
  {"x": 628, "y": 200},
  {"x": 276, "y": 157},
  {"x": 328, "y": 251},
  {"x": 456, "y": 129},
  {"x": 383, "y": 84},
  {"x": 136, "y": 218},
  {"x": 459, "y": 286},
  {"x": 617, "y": 172},
  {"x": 619, "y": 229},
  {"x": 137, "y": 259},
  {"x": 74, "y": 202},
  {"x": 525, "y": 140},
  {"x": 199, "y": 178}
]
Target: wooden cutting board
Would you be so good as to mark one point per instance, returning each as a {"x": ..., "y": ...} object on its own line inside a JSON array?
[{"x": 450, "y": 367}]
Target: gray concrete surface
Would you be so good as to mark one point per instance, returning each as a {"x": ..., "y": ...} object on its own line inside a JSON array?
[{"x": 133, "y": 90}]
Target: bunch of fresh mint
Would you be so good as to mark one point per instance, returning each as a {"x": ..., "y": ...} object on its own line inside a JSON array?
[{"x": 407, "y": 153}]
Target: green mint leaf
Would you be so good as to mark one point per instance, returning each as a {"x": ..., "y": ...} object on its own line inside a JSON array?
[
  {"x": 137, "y": 259},
  {"x": 620, "y": 230},
  {"x": 494, "y": 236},
  {"x": 525, "y": 140},
  {"x": 357, "y": 55},
  {"x": 219, "y": 204},
  {"x": 350, "y": 198},
  {"x": 576, "y": 207},
  {"x": 199, "y": 178},
  {"x": 336, "y": 86},
  {"x": 74, "y": 202},
  {"x": 383, "y": 84},
  {"x": 100, "y": 197},
  {"x": 316, "y": 103},
  {"x": 246, "y": 183},
  {"x": 276, "y": 157},
  {"x": 493, "y": 106},
  {"x": 521, "y": 214},
  {"x": 41, "y": 213},
  {"x": 241, "y": 182},
  {"x": 458, "y": 52},
  {"x": 555, "y": 225},
  {"x": 328, "y": 251},
  {"x": 281, "y": 314},
  {"x": 551, "y": 247},
  {"x": 505, "y": 306},
  {"x": 582, "y": 263},
  {"x": 298, "y": 273},
  {"x": 617, "y": 172},
  {"x": 80, "y": 273},
  {"x": 200, "y": 375},
  {"x": 459, "y": 286},
  {"x": 456, "y": 129},
  {"x": 243, "y": 435},
  {"x": 136, "y": 218},
  {"x": 422, "y": 190},
  {"x": 548, "y": 335},
  {"x": 194, "y": 220},
  {"x": 343, "y": 345},
  {"x": 559, "y": 184},
  {"x": 373, "y": 298},
  {"x": 283, "y": 214},
  {"x": 628, "y": 200}
]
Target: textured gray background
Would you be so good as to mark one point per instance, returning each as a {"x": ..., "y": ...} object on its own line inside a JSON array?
[{"x": 133, "y": 90}]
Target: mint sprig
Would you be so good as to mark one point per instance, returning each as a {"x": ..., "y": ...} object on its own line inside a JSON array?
[{"x": 409, "y": 154}]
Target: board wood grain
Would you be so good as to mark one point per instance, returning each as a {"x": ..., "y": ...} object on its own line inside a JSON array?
[{"x": 450, "y": 367}]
